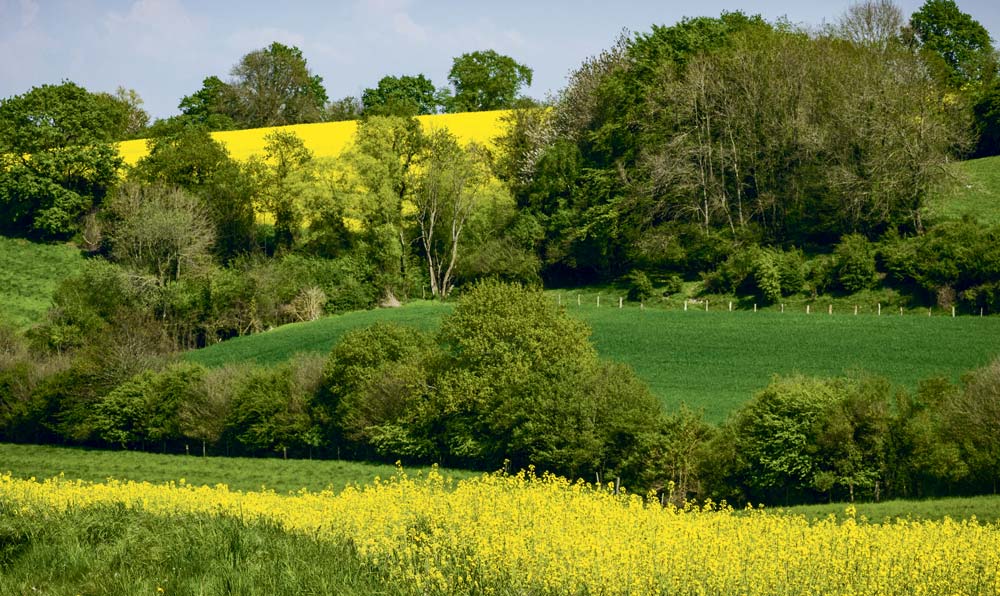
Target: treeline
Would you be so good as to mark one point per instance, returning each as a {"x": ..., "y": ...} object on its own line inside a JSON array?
[
  {"x": 510, "y": 381},
  {"x": 677, "y": 148}
]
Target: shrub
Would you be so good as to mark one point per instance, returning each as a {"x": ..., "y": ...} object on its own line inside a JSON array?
[
  {"x": 854, "y": 264},
  {"x": 639, "y": 287}
]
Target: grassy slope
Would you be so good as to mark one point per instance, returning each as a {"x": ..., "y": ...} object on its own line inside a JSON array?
[
  {"x": 713, "y": 361},
  {"x": 239, "y": 473},
  {"x": 29, "y": 273},
  {"x": 976, "y": 193}
]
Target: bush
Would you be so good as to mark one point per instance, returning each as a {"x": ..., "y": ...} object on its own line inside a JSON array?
[
  {"x": 854, "y": 264},
  {"x": 640, "y": 288}
]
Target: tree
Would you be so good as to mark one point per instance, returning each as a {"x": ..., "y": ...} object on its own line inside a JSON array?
[
  {"x": 486, "y": 80},
  {"x": 191, "y": 159},
  {"x": 274, "y": 87},
  {"x": 284, "y": 154},
  {"x": 159, "y": 230},
  {"x": 872, "y": 22},
  {"x": 57, "y": 157},
  {"x": 211, "y": 106},
  {"x": 345, "y": 108},
  {"x": 401, "y": 96},
  {"x": 450, "y": 181},
  {"x": 960, "y": 42}
]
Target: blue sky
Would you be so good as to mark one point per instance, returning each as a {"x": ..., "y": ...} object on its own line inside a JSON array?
[{"x": 164, "y": 48}]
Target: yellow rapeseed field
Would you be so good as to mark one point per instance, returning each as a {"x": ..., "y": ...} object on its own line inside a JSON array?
[
  {"x": 328, "y": 139},
  {"x": 520, "y": 534}
]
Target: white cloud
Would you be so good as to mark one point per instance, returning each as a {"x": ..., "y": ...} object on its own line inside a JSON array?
[{"x": 248, "y": 40}]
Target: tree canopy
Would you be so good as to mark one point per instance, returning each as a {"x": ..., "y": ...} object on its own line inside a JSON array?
[
  {"x": 401, "y": 96},
  {"x": 486, "y": 80}
]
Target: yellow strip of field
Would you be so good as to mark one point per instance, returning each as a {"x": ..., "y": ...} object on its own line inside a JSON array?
[
  {"x": 329, "y": 139},
  {"x": 526, "y": 535}
]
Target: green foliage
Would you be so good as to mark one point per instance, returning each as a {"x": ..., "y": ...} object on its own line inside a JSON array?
[
  {"x": 986, "y": 115},
  {"x": 273, "y": 86},
  {"x": 639, "y": 286},
  {"x": 56, "y": 156},
  {"x": 486, "y": 80},
  {"x": 854, "y": 264},
  {"x": 194, "y": 161},
  {"x": 960, "y": 42},
  {"x": 207, "y": 107},
  {"x": 401, "y": 96}
]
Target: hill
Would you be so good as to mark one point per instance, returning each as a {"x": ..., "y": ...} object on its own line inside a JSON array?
[
  {"x": 976, "y": 193},
  {"x": 713, "y": 361},
  {"x": 29, "y": 273},
  {"x": 328, "y": 139}
]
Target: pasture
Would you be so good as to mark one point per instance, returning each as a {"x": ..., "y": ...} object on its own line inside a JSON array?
[
  {"x": 974, "y": 192},
  {"x": 238, "y": 473},
  {"x": 29, "y": 273},
  {"x": 710, "y": 361}
]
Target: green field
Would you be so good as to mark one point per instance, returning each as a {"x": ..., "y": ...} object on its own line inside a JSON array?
[
  {"x": 711, "y": 361},
  {"x": 238, "y": 473},
  {"x": 975, "y": 193},
  {"x": 984, "y": 508},
  {"x": 29, "y": 273}
]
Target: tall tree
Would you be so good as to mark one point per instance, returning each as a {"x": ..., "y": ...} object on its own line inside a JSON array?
[
  {"x": 57, "y": 157},
  {"x": 274, "y": 87},
  {"x": 872, "y": 22},
  {"x": 486, "y": 80},
  {"x": 450, "y": 180},
  {"x": 284, "y": 154},
  {"x": 401, "y": 96},
  {"x": 960, "y": 42}
]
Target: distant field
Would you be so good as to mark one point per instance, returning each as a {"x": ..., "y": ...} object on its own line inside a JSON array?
[
  {"x": 712, "y": 361},
  {"x": 238, "y": 473},
  {"x": 976, "y": 193},
  {"x": 328, "y": 139},
  {"x": 986, "y": 509},
  {"x": 29, "y": 273}
]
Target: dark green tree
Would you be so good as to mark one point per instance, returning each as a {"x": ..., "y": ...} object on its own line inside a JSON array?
[
  {"x": 273, "y": 86},
  {"x": 486, "y": 80},
  {"x": 958, "y": 41},
  {"x": 401, "y": 96},
  {"x": 57, "y": 157}
]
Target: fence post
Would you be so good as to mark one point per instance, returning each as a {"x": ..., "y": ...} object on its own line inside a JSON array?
[
  {"x": 855, "y": 310},
  {"x": 782, "y": 307},
  {"x": 706, "y": 305},
  {"x": 559, "y": 299},
  {"x": 619, "y": 302},
  {"x": 900, "y": 311},
  {"x": 578, "y": 300},
  {"x": 807, "y": 309},
  {"x": 829, "y": 310},
  {"x": 598, "y": 300},
  {"x": 730, "y": 306},
  {"x": 880, "y": 309},
  {"x": 755, "y": 307},
  {"x": 953, "y": 311},
  {"x": 685, "y": 304}
]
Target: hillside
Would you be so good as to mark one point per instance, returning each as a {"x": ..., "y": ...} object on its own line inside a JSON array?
[
  {"x": 713, "y": 361},
  {"x": 975, "y": 193},
  {"x": 328, "y": 139},
  {"x": 29, "y": 273}
]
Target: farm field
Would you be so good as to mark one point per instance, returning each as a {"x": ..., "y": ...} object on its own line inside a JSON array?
[
  {"x": 328, "y": 139},
  {"x": 29, "y": 273},
  {"x": 238, "y": 473},
  {"x": 491, "y": 534},
  {"x": 976, "y": 193},
  {"x": 712, "y": 361}
]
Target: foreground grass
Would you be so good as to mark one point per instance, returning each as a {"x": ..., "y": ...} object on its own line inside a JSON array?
[
  {"x": 975, "y": 194},
  {"x": 711, "y": 361},
  {"x": 238, "y": 473},
  {"x": 29, "y": 274},
  {"x": 493, "y": 534}
]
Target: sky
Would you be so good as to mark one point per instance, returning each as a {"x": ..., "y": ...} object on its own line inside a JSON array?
[{"x": 165, "y": 48}]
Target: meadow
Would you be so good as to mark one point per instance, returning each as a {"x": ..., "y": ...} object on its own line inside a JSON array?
[
  {"x": 29, "y": 274},
  {"x": 493, "y": 534},
  {"x": 975, "y": 193},
  {"x": 713, "y": 361}
]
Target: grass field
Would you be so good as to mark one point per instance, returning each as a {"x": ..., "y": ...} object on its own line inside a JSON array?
[
  {"x": 976, "y": 193},
  {"x": 712, "y": 361},
  {"x": 238, "y": 473},
  {"x": 29, "y": 273},
  {"x": 328, "y": 139}
]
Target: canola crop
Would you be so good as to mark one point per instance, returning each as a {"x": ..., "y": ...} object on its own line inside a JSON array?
[
  {"x": 502, "y": 534},
  {"x": 329, "y": 139}
]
